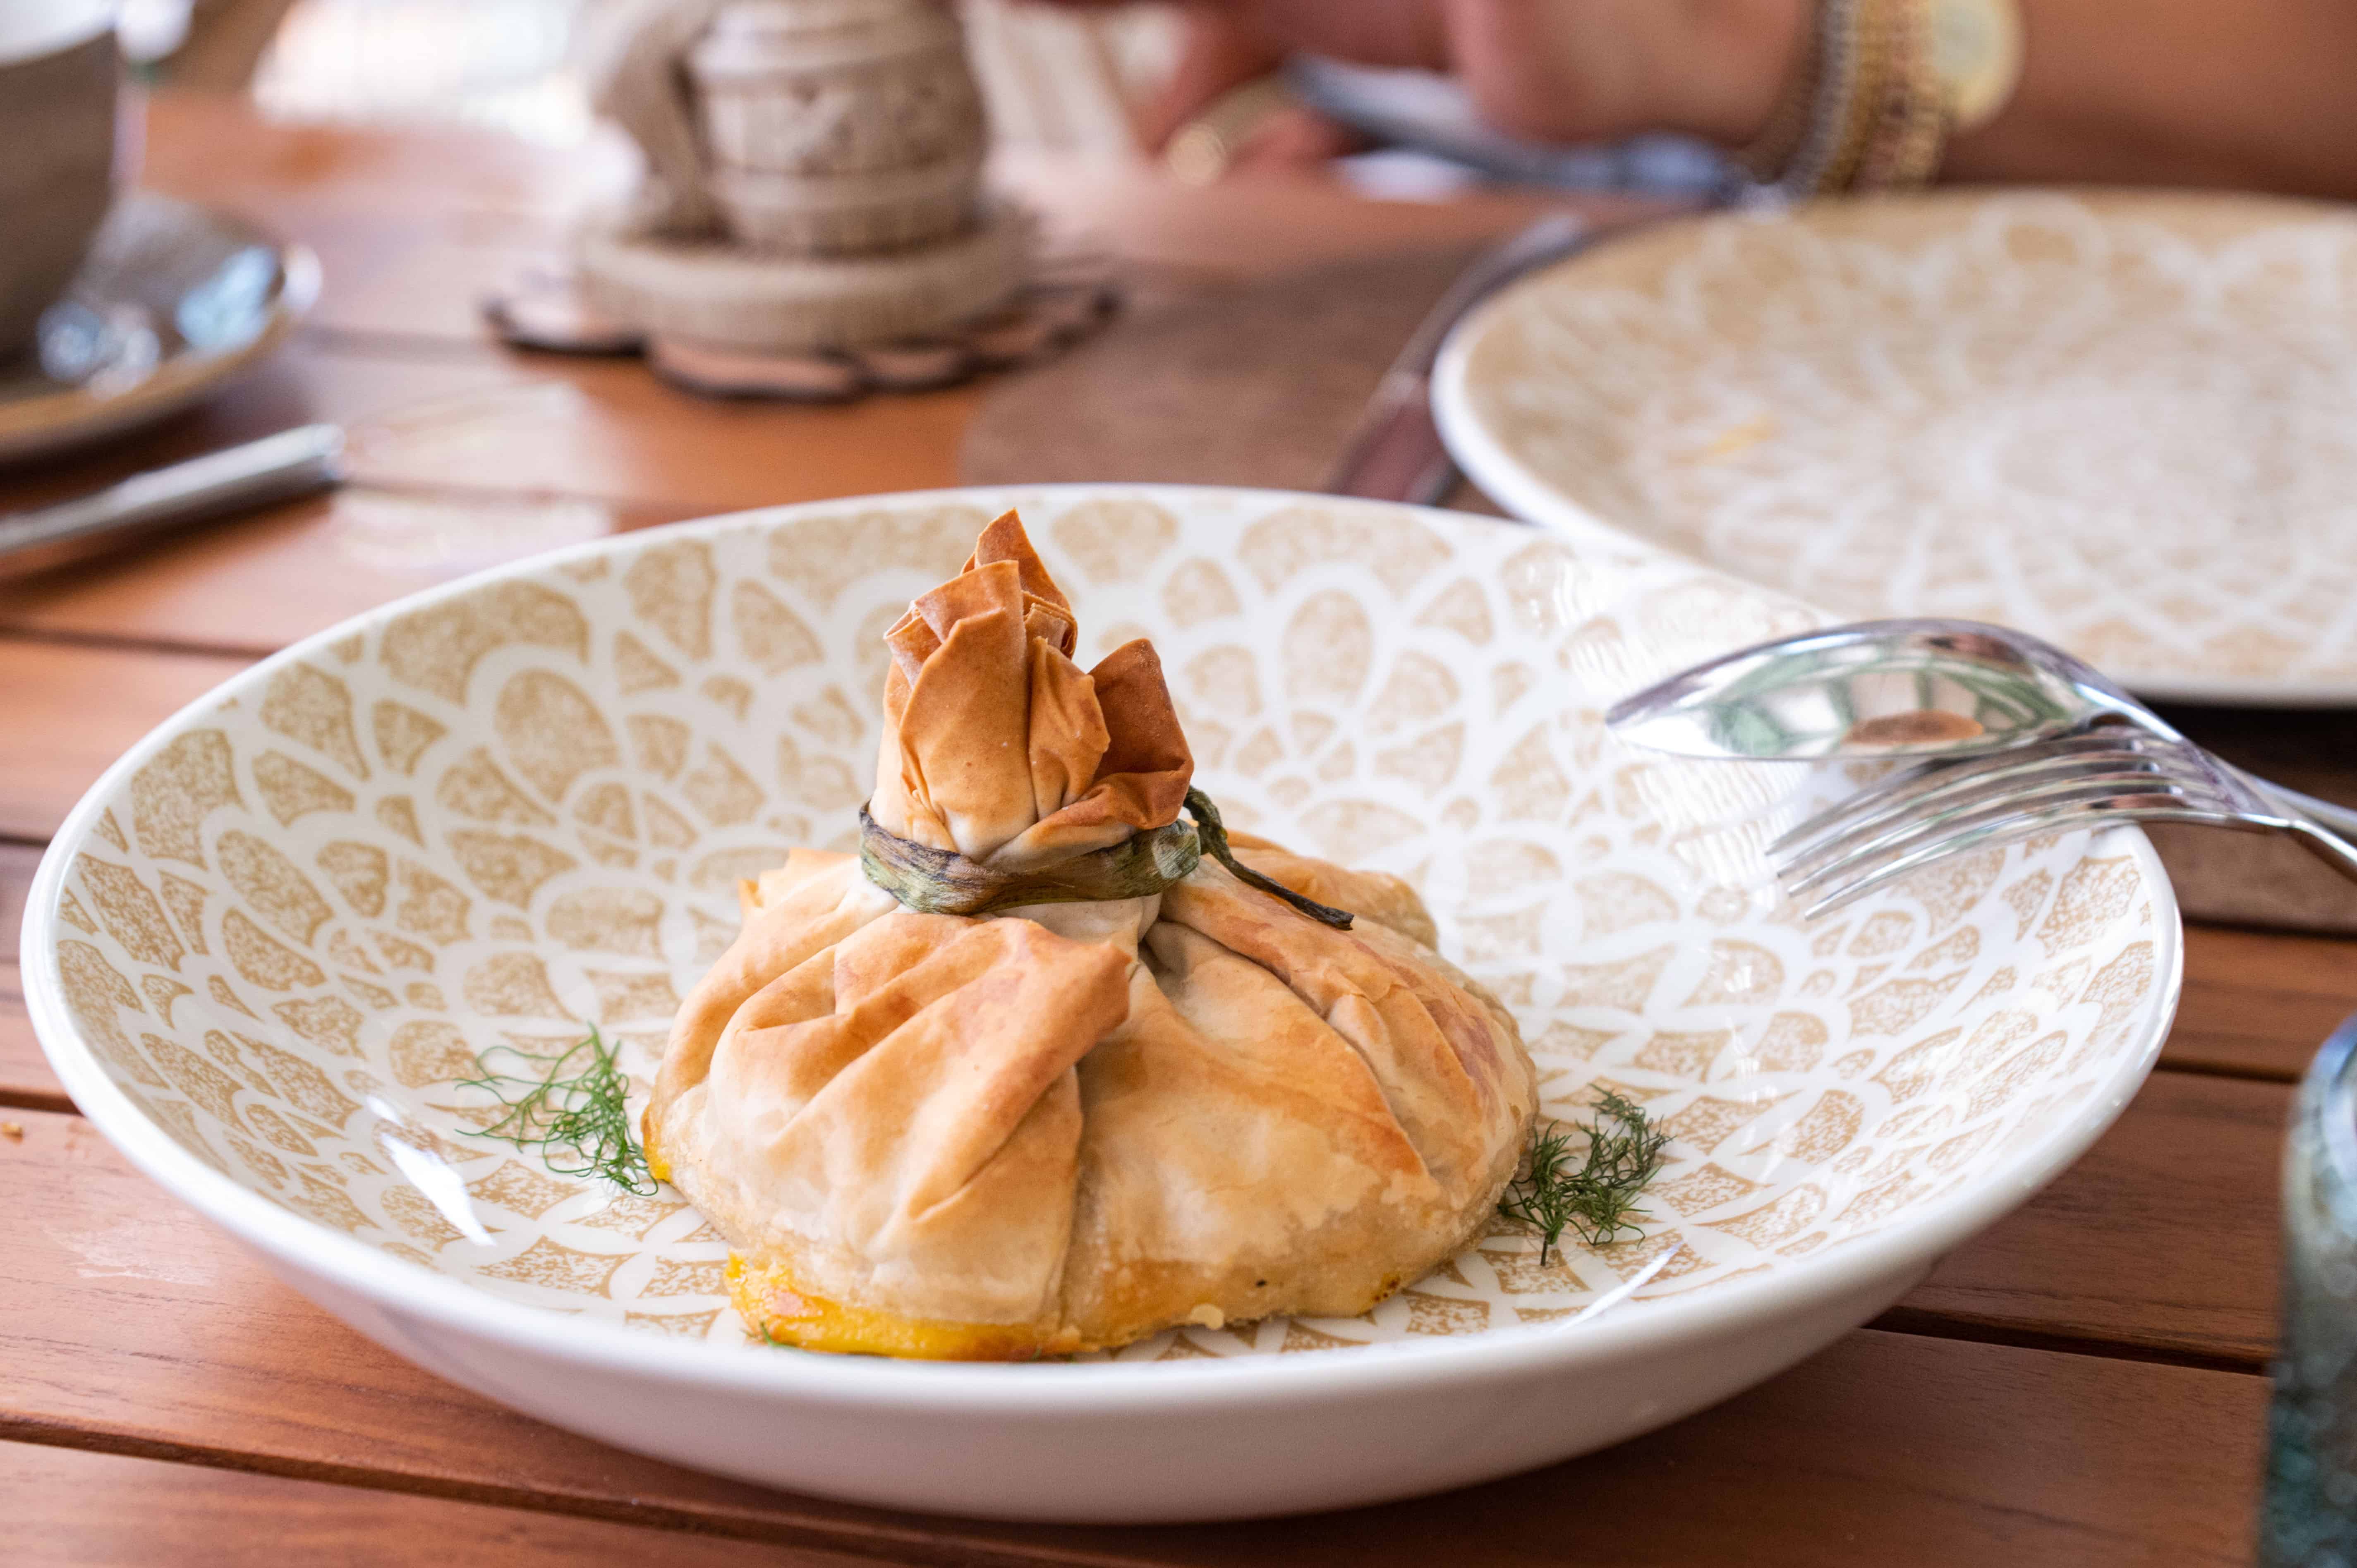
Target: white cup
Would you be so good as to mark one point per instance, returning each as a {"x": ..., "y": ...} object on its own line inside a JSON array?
[{"x": 58, "y": 75}]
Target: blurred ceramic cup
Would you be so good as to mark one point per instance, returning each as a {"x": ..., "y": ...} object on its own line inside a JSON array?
[{"x": 58, "y": 70}]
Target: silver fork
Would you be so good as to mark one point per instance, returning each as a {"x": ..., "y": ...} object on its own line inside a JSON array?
[
  {"x": 2112, "y": 771},
  {"x": 2010, "y": 737}
]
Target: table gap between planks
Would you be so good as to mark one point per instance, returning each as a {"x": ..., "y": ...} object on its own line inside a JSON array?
[{"x": 2083, "y": 1383}]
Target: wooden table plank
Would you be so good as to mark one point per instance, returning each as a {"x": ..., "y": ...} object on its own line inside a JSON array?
[
  {"x": 25, "y": 1076},
  {"x": 411, "y": 227},
  {"x": 258, "y": 582},
  {"x": 405, "y": 268},
  {"x": 125, "y": 1322},
  {"x": 2260, "y": 1003},
  {"x": 494, "y": 421},
  {"x": 1885, "y": 1449},
  {"x": 217, "y": 147},
  {"x": 302, "y": 382},
  {"x": 2267, "y": 882},
  {"x": 2314, "y": 749},
  {"x": 1854, "y": 1458},
  {"x": 459, "y": 462},
  {"x": 67, "y": 1508},
  {"x": 86, "y": 706},
  {"x": 610, "y": 430},
  {"x": 2163, "y": 1238}
]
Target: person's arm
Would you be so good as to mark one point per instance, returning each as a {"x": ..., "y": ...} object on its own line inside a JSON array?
[
  {"x": 2260, "y": 94},
  {"x": 2254, "y": 93},
  {"x": 2257, "y": 93}
]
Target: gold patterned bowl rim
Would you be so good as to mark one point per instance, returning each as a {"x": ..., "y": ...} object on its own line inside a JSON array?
[{"x": 1497, "y": 1356}]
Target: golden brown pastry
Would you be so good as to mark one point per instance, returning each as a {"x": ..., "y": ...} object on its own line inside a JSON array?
[{"x": 1064, "y": 1126}]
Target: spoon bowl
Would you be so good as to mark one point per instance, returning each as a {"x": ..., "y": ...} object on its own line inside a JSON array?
[{"x": 1874, "y": 689}]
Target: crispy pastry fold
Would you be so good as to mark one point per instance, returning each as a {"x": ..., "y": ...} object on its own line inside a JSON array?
[{"x": 1068, "y": 1126}]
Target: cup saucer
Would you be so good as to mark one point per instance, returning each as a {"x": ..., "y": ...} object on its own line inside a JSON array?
[{"x": 174, "y": 299}]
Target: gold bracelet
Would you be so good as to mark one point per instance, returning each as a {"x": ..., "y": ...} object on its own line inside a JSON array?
[
  {"x": 1880, "y": 43},
  {"x": 1882, "y": 86},
  {"x": 1910, "y": 122}
]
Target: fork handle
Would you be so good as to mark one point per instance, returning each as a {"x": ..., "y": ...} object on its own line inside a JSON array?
[
  {"x": 2327, "y": 846},
  {"x": 2325, "y": 830}
]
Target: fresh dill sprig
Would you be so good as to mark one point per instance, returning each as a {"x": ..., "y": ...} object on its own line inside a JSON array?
[
  {"x": 571, "y": 1108},
  {"x": 1597, "y": 1199}
]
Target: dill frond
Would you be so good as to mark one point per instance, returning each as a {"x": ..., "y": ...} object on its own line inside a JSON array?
[
  {"x": 571, "y": 1108},
  {"x": 1595, "y": 1199}
]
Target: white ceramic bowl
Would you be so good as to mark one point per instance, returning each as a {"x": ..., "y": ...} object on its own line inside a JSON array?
[{"x": 263, "y": 946}]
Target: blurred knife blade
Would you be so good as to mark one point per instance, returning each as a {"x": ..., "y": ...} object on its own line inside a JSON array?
[{"x": 238, "y": 479}]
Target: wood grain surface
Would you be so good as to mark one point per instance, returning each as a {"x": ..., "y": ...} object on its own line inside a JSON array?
[
  {"x": 1258, "y": 385},
  {"x": 25, "y": 1076},
  {"x": 72, "y": 1508},
  {"x": 68, "y": 710},
  {"x": 2260, "y": 1003},
  {"x": 255, "y": 583},
  {"x": 2078, "y": 1385}
]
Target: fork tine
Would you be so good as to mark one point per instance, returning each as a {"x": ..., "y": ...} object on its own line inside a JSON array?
[
  {"x": 1930, "y": 779},
  {"x": 1840, "y": 832},
  {"x": 2003, "y": 830},
  {"x": 1933, "y": 799},
  {"x": 1965, "y": 770},
  {"x": 1912, "y": 833}
]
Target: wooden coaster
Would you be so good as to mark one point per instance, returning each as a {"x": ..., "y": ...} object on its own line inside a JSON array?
[
  {"x": 711, "y": 291},
  {"x": 544, "y": 307}
]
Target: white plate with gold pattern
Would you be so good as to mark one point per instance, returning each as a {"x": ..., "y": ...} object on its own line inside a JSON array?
[
  {"x": 2126, "y": 422},
  {"x": 269, "y": 941}
]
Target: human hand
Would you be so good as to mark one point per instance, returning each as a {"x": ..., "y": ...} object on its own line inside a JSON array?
[{"x": 1550, "y": 70}]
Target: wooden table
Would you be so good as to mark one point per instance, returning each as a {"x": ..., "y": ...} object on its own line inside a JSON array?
[{"x": 2083, "y": 1384}]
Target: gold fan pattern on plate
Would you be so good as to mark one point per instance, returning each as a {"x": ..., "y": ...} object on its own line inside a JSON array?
[{"x": 524, "y": 805}]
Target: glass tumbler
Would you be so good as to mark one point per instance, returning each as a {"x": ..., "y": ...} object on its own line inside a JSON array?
[{"x": 2309, "y": 1516}]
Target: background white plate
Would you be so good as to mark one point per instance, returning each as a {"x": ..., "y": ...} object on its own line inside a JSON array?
[{"x": 2126, "y": 422}]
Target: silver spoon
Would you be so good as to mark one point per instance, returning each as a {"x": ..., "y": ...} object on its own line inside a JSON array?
[{"x": 1924, "y": 689}]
